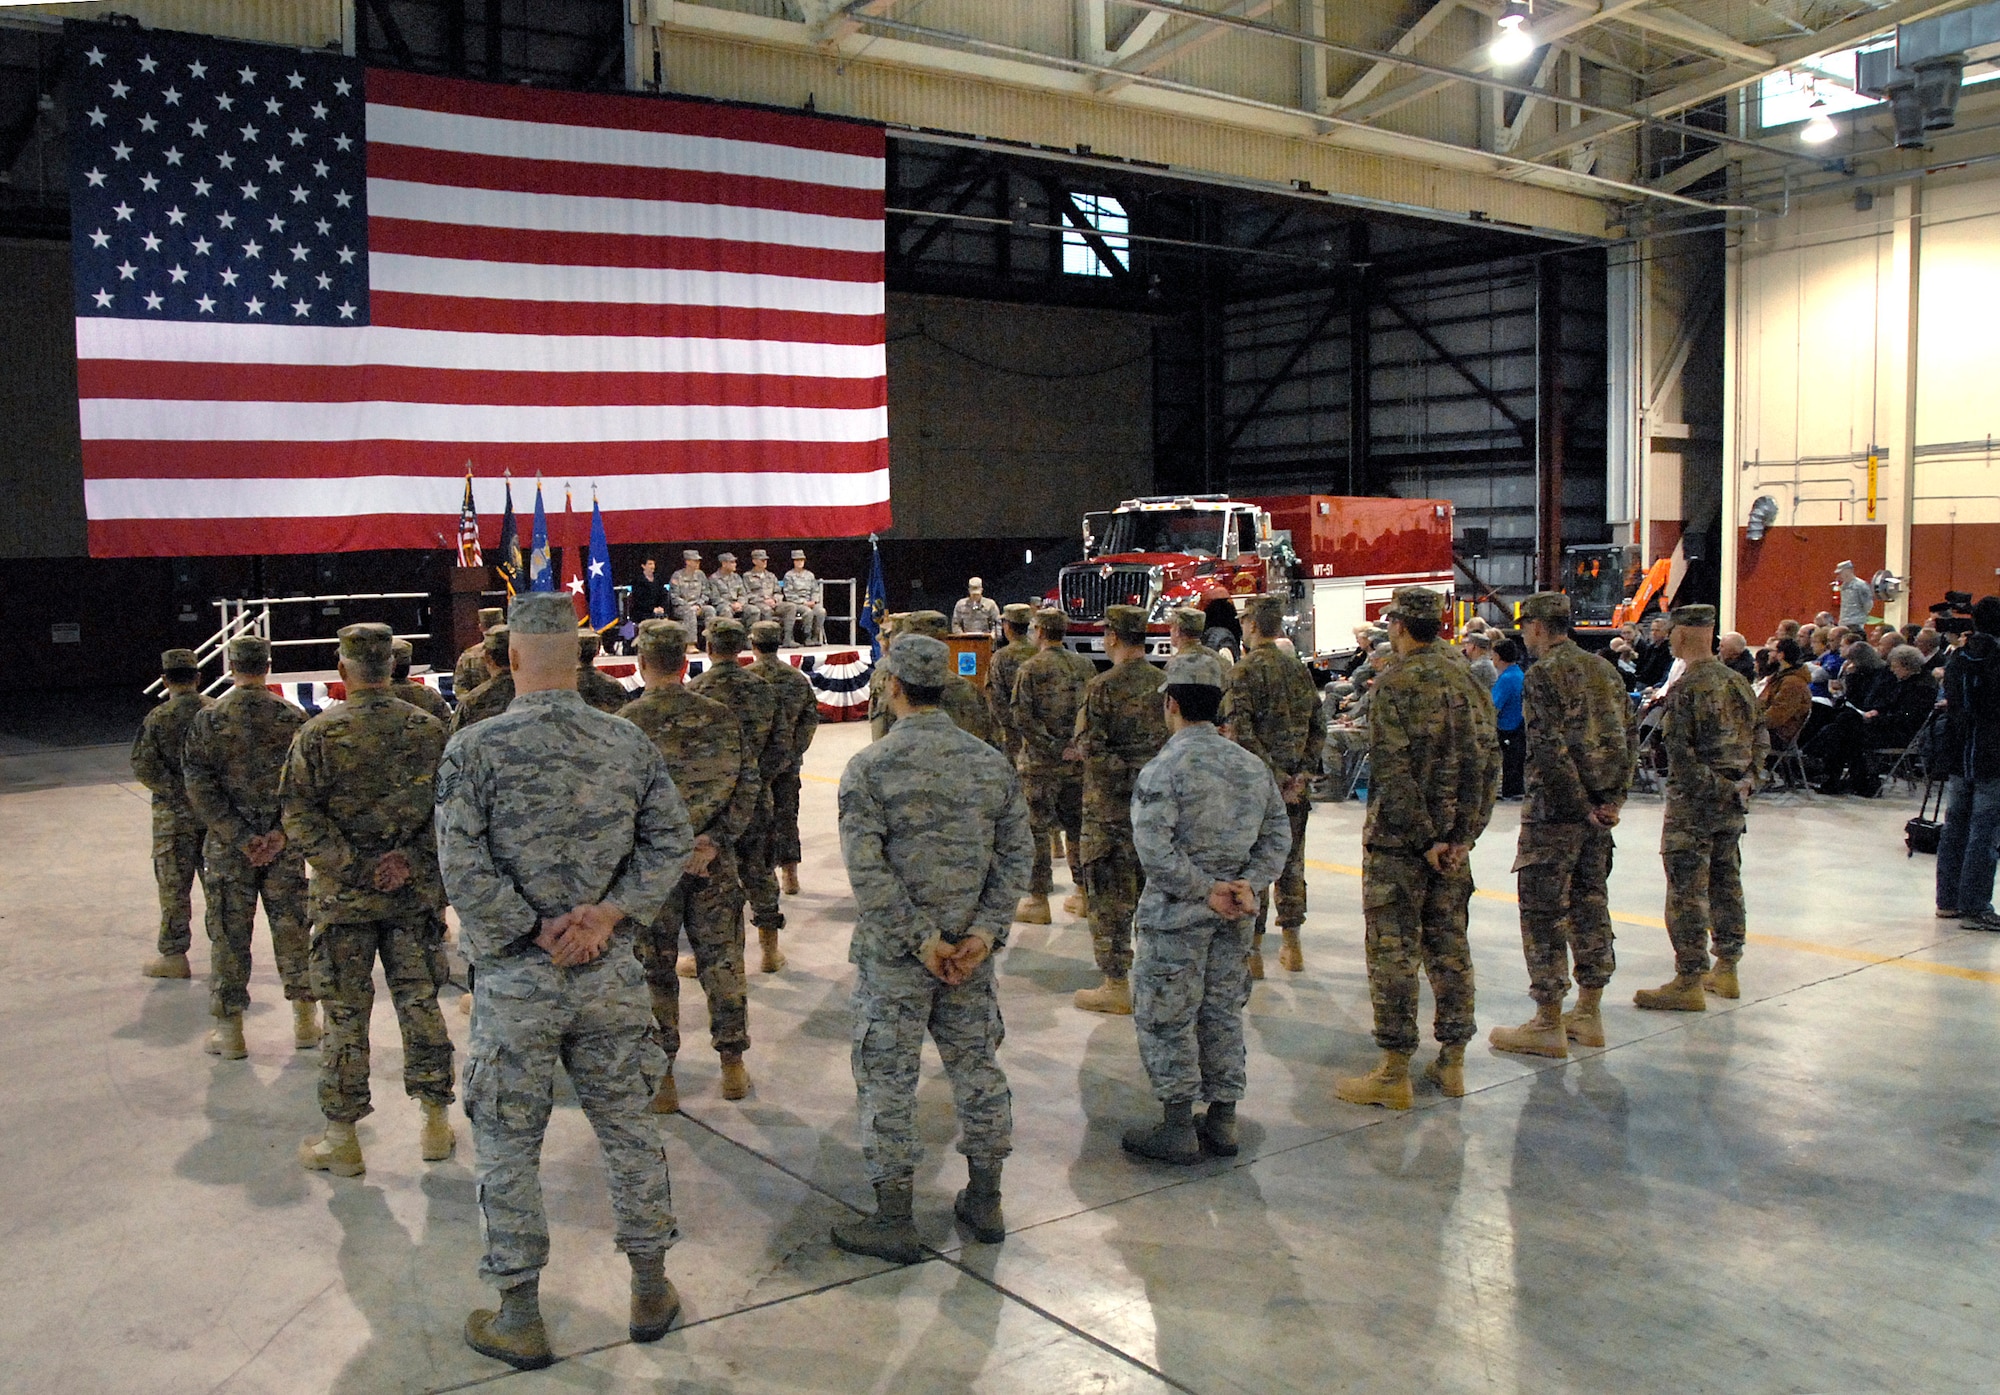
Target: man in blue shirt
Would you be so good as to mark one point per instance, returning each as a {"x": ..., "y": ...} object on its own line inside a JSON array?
[{"x": 1507, "y": 717}]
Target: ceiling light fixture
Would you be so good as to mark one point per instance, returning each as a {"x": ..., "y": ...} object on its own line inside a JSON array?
[
  {"x": 1820, "y": 128},
  {"x": 1512, "y": 46}
]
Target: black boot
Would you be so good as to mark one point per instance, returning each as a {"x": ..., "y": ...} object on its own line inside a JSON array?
[
  {"x": 889, "y": 1233},
  {"x": 1218, "y": 1128},
  {"x": 655, "y": 1304},
  {"x": 1172, "y": 1140},
  {"x": 978, "y": 1206},
  {"x": 515, "y": 1334}
]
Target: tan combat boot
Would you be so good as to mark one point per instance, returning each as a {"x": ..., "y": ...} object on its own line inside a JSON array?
[
  {"x": 1584, "y": 1024},
  {"x": 1076, "y": 905},
  {"x": 1447, "y": 1072},
  {"x": 1721, "y": 980},
  {"x": 1033, "y": 910},
  {"x": 226, "y": 1040},
  {"x": 168, "y": 966},
  {"x": 1257, "y": 956},
  {"x": 667, "y": 1099},
  {"x": 1291, "y": 958},
  {"x": 515, "y": 1334},
  {"x": 735, "y": 1079},
  {"x": 788, "y": 878},
  {"x": 686, "y": 966},
  {"x": 1113, "y": 996},
  {"x": 1540, "y": 1035},
  {"x": 1387, "y": 1085},
  {"x": 774, "y": 958},
  {"x": 305, "y": 1024},
  {"x": 1682, "y": 993},
  {"x": 465, "y": 1004},
  {"x": 336, "y": 1150},
  {"x": 655, "y": 1304},
  {"x": 435, "y": 1140}
]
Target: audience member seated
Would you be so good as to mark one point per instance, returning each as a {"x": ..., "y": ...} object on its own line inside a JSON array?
[
  {"x": 1900, "y": 699},
  {"x": 1734, "y": 651},
  {"x": 1653, "y": 655},
  {"x": 1624, "y": 660},
  {"x": 1786, "y": 702}
]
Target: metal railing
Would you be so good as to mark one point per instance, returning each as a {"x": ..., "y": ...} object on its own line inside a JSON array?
[{"x": 252, "y": 616}]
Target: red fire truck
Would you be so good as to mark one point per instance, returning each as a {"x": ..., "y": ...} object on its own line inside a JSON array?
[{"x": 1338, "y": 560}]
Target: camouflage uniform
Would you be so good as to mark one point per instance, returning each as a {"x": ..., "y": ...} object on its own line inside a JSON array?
[
  {"x": 1272, "y": 710},
  {"x": 689, "y": 590},
  {"x": 470, "y": 671},
  {"x": 1709, "y": 734},
  {"x": 358, "y": 785},
  {"x": 1208, "y": 664},
  {"x": 1436, "y": 775},
  {"x": 425, "y": 699},
  {"x": 1121, "y": 725},
  {"x": 1000, "y": 672},
  {"x": 760, "y": 591},
  {"x": 234, "y": 756},
  {"x": 755, "y": 704},
  {"x": 796, "y": 722},
  {"x": 728, "y": 594},
  {"x": 935, "y": 836},
  {"x": 177, "y": 829},
  {"x": 1048, "y": 691},
  {"x": 550, "y": 806},
  {"x": 961, "y": 700},
  {"x": 593, "y": 685},
  {"x": 802, "y": 597},
  {"x": 702, "y": 743},
  {"x": 1579, "y": 756},
  {"x": 975, "y": 615},
  {"x": 1204, "y": 810},
  {"x": 489, "y": 699}
]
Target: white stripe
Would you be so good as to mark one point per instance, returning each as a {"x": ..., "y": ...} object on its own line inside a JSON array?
[
  {"x": 604, "y": 145},
  {"x": 619, "y": 285},
  {"x": 149, "y": 419},
  {"x": 425, "y": 494},
  {"x": 580, "y": 213},
  {"x": 333, "y": 347}
]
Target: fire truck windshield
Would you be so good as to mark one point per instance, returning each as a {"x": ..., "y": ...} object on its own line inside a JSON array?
[{"x": 1195, "y": 532}]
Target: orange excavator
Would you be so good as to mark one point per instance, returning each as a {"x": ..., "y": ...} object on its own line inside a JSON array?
[{"x": 1607, "y": 587}]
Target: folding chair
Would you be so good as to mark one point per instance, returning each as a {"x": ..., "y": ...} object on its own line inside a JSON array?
[
  {"x": 1786, "y": 773},
  {"x": 1911, "y": 764}
]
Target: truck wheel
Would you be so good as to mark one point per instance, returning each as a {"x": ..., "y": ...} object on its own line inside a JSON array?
[{"x": 1223, "y": 642}]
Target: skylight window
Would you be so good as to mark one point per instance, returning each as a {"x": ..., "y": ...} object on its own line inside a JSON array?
[{"x": 1108, "y": 218}]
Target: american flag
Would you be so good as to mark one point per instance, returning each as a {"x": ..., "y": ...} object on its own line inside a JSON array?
[{"x": 308, "y": 292}]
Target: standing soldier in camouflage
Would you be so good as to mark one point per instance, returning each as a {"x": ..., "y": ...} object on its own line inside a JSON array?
[
  {"x": 232, "y": 761},
  {"x": 1189, "y": 626},
  {"x": 1015, "y": 621},
  {"x": 975, "y": 614},
  {"x": 962, "y": 701},
  {"x": 1210, "y": 827},
  {"x": 1579, "y": 769},
  {"x": 492, "y": 697},
  {"x": 755, "y": 703},
  {"x": 1709, "y": 733},
  {"x": 595, "y": 687},
  {"x": 357, "y": 796},
  {"x": 804, "y": 599},
  {"x": 727, "y": 592},
  {"x": 702, "y": 743},
  {"x": 559, "y": 835},
  {"x": 935, "y": 836},
  {"x": 1047, "y": 693},
  {"x": 688, "y": 589},
  {"x": 760, "y": 590},
  {"x": 406, "y": 689},
  {"x": 1121, "y": 725},
  {"x": 471, "y": 670},
  {"x": 880, "y": 719},
  {"x": 1436, "y": 774},
  {"x": 796, "y": 721},
  {"x": 177, "y": 829},
  {"x": 1272, "y": 710}
]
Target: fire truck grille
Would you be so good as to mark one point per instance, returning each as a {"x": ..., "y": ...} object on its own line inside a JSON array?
[{"x": 1086, "y": 591}]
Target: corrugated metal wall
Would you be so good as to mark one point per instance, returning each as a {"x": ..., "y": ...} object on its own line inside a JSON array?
[
  {"x": 41, "y": 459},
  {"x": 306, "y": 23}
]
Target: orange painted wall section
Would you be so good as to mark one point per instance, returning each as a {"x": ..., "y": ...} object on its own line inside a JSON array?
[
  {"x": 1788, "y": 574},
  {"x": 1952, "y": 557}
]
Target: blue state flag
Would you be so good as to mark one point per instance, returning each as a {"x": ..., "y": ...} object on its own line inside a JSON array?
[
  {"x": 541, "y": 576},
  {"x": 509, "y": 565},
  {"x": 597, "y": 582},
  {"x": 874, "y": 606}
]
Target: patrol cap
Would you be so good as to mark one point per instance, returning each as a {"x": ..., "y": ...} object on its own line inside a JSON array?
[
  {"x": 588, "y": 644},
  {"x": 767, "y": 634},
  {"x": 1696, "y": 617},
  {"x": 726, "y": 636},
  {"x": 1479, "y": 639},
  {"x": 1415, "y": 603},
  {"x": 919, "y": 661},
  {"x": 725, "y": 557},
  {"x": 974, "y": 584},
  {"x": 250, "y": 653},
  {"x": 373, "y": 645},
  {"x": 177, "y": 658},
  {"x": 489, "y": 616},
  {"x": 664, "y": 642},
  {"x": 798, "y": 554},
  {"x": 403, "y": 653},
  {"x": 1189, "y": 621},
  {"x": 1019, "y": 613},
  {"x": 690, "y": 555},
  {"x": 495, "y": 644},
  {"x": 1546, "y": 605},
  {"x": 1128, "y": 622},
  {"x": 759, "y": 555},
  {"x": 1051, "y": 622},
  {"x": 1188, "y": 671},
  {"x": 1848, "y": 564},
  {"x": 926, "y": 622},
  {"x": 542, "y": 613},
  {"x": 1267, "y": 613}
]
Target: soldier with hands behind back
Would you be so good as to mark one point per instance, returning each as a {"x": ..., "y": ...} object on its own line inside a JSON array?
[{"x": 177, "y": 829}]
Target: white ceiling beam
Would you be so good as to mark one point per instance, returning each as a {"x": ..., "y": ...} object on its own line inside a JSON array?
[
  {"x": 1406, "y": 42},
  {"x": 830, "y": 20},
  {"x": 1161, "y": 52},
  {"x": 1509, "y": 135},
  {"x": 1674, "y": 25},
  {"x": 1699, "y": 168}
]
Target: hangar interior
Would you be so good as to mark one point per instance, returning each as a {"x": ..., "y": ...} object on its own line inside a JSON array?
[{"x": 1708, "y": 278}]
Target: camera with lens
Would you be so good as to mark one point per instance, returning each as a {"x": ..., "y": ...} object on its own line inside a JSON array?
[{"x": 1953, "y": 614}]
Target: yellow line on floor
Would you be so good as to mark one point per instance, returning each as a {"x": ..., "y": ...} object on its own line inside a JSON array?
[
  {"x": 1859, "y": 956},
  {"x": 819, "y": 779}
]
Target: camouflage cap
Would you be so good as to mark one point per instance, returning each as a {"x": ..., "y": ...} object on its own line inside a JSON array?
[
  {"x": 690, "y": 555},
  {"x": 920, "y": 661},
  {"x": 542, "y": 613},
  {"x": 589, "y": 644},
  {"x": 1052, "y": 622},
  {"x": 1415, "y": 603},
  {"x": 1546, "y": 605},
  {"x": 725, "y": 557},
  {"x": 177, "y": 658},
  {"x": 1478, "y": 639},
  {"x": 975, "y": 584},
  {"x": 759, "y": 555},
  {"x": 1697, "y": 617},
  {"x": 726, "y": 637},
  {"x": 1128, "y": 622},
  {"x": 373, "y": 645},
  {"x": 925, "y": 622},
  {"x": 1190, "y": 621},
  {"x": 250, "y": 653},
  {"x": 798, "y": 554},
  {"x": 1185, "y": 671},
  {"x": 1018, "y": 614},
  {"x": 663, "y": 642},
  {"x": 403, "y": 652},
  {"x": 495, "y": 644},
  {"x": 489, "y": 616},
  {"x": 767, "y": 634},
  {"x": 1267, "y": 613}
]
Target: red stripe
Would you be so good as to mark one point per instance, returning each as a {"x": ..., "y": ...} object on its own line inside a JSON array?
[
  {"x": 235, "y": 537},
  {"x": 517, "y": 174},
  {"x": 464, "y": 242},
  {"x": 207, "y": 382},
  {"x": 446, "y": 459},
  {"x": 405, "y": 310},
  {"x": 623, "y": 112}
]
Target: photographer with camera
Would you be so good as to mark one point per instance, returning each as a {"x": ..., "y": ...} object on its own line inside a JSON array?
[{"x": 1970, "y": 756}]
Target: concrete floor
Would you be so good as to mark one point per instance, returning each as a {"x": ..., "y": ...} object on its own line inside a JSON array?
[{"x": 1793, "y": 1194}]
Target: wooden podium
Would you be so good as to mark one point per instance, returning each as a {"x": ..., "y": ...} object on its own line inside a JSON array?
[
  {"x": 970, "y": 656},
  {"x": 468, "y": 588}
]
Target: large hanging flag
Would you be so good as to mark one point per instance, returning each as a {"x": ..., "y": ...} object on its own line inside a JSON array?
[
  {"x": 306, "y": 291},
  {"x": 603, "y": 597},
  {"x": 572, "y": 554},
  {"x": 509, "y": 565},
  {"x": 875, "y": 606},
  {"x": 468, "y": 527},
  {"x": 541, "y": 576}
]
